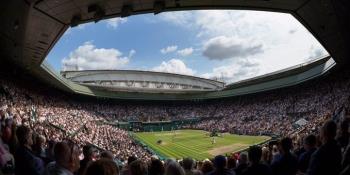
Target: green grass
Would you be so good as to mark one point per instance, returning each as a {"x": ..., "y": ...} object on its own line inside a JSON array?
[{"x": 195, "y": 143}]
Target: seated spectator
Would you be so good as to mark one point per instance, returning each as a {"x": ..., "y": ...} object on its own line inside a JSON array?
[
  {"x": 156, "y": 167},
  {"x": 189, "y": 165},
  {"x": 242, "y": 163},
  {"x": 6, "y": 131},
  {"x": 275, "y": 154},
  {"x": 220, "y": 164},
  {"x": 49, "y": 152},
  {"x": 286, "y": 163},
  {"x": 102, "y": 167},
  {"x": 327, "y": 159},
  {"x": 207, "y": 167},
  {"x": 57, "y": 116},
  {"x": 126, "y": 169},
  {"x": 25, "y": 161},
  {"x": 7, "y": 163},
  {"x": 310, "y": 148},
  {"x": 173, "y": 168},
  {"x": 39, "y": 146},
  {"x": 344, "y": 135},
  {"x": 88, "y": 152},
  {"x": 265, "y": 157},
  {"x": 255, "y": 166},
  {"x": 231, "y": 163},
  {"x": 66, "y": 159},
  {"x": 138, "y": 167}
]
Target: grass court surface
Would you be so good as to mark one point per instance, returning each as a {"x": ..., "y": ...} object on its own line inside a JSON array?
[{"x": 195, "y": 143}]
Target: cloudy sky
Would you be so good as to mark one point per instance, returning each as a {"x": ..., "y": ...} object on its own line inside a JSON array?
[{"x": 230, "y": 45}]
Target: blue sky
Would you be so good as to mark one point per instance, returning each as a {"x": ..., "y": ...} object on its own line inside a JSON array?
[{"x": 232, "y": 45}]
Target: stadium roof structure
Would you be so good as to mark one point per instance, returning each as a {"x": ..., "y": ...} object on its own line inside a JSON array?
[
  {"x": 142, "y": 81},
  {"x": 284, "y": 78},
  {"x": 30, "y": 28}
]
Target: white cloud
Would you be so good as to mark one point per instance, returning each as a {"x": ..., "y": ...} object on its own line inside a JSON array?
[
  {"x": 242, "y": 43},
  {"x": 174, "y": 66},
  {"x": 185, "y": 52},
  {"x": 168, "y": 49},
  {"x": 88, "y": 57},
  {"x": 276, "y": 40},
  {"x": 114, "y": 22},
  {"x": 223, "y": 47},
  {"x": 235, "y": 70}
]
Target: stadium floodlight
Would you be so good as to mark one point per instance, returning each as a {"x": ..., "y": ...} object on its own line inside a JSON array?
[
  {"x": 126, "y": 11},
  {"x": 158, "y": 7}
]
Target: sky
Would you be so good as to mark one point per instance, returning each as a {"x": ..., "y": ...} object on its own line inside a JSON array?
[{"x": 218, "y": 44}]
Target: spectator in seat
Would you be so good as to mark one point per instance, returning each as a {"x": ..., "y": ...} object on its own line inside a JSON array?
[
  {"x": 189, "y": 165},
  {"x": 255, "y": 167},
  {"x": 173, "y": 168},
  {"x": 242, "y": 163},
  {"x": 275, "y": 154},
  {"x": 39, "y": 146},
  {"x": 138, "y": 167},
  {"x": 6, "y": 131},
  {"x": 286, "y": 163},
  {"x": 7, "y": 163},
  {"x": 126, "y": 169},
  {"x": 231, "y": 163},
  {"x": 327, "y": 159},
  {"x": 156, "y": 167},
  {"x": 67, "y": 159},
  {"x": 265, "y": 157},
  {"x": 88, "y": 152},
  {"x": 310, "y": 147},
  {"x": 207, "y": 167},
  {"x": 49, "y": 151},
  {"x": 220, "y": 164},
  {"x": 102, "y": 167},
  {"x": 25, "y": 160},
  {"x": 344, "y": 135}
]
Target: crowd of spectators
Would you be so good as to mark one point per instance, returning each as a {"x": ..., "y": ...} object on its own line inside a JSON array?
[
  {"x": 319, "y": 155},
  {"x": 49, "y": 132},
  {"x": 276, "y": 112},
  {"x": 55, "y": 119}
]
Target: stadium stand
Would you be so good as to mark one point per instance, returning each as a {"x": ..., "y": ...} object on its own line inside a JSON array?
[
  {"x": 34, "y": 118},
  {"x": 45, "y": 131}
]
